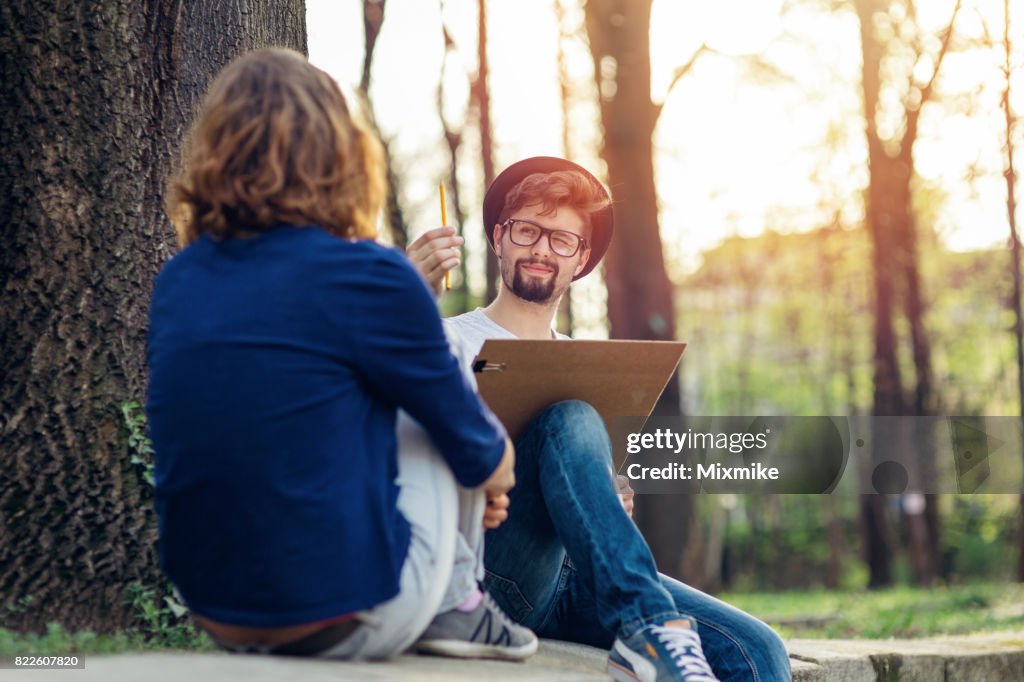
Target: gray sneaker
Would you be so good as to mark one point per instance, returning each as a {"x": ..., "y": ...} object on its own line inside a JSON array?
[{"x": 484, "y": 632}]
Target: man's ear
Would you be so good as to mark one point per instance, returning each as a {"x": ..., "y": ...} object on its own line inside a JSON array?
[
  {"x": 584, "y": 258},
  {"x": 496, "y": 237}
]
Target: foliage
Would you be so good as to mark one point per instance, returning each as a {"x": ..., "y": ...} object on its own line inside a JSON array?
[
  {"x": 162, "y": 623},
  {"x": 139, "y": 445},
  {"x": 979, "y": 535},
  {"x": 781, "y": 324},
  {"x": 163, "y": 620},
  {"x": 783, "y": 542}
]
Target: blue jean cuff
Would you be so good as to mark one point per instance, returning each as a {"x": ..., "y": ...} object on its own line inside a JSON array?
[{"x": 628, "y": 629}]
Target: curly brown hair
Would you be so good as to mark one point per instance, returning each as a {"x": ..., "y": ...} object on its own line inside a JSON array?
[
  {"x": 276, "y": 144},
  {"x": 554, "y": 190}
]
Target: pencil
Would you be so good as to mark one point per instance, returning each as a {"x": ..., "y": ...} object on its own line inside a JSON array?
[{"x": 444, "y": 221}]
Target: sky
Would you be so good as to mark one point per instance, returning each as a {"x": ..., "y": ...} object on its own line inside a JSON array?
[{"x": 738, "y": 150}]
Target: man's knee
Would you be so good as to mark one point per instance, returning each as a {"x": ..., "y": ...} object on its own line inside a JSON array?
[
  {"x": 572, "y": 414},
  {"x": 766, "y": 648},
  {"x": 571, "y": 429}
]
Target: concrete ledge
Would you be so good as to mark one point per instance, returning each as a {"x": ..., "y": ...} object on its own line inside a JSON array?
[
  {"x": 968, "y": 658},
  {"x": 972, "y": 658}
]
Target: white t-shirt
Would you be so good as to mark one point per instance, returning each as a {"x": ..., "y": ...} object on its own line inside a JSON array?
[{"x": 471, "y": 329}]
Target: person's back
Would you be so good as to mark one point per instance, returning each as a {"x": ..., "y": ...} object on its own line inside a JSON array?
[{"x": 258, "y": 401}]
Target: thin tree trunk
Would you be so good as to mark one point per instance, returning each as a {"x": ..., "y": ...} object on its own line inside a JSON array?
[
  {"x": 882, "y": 209},
  {"x": 453, "y": 140},
  {"x": 925, "y": 536},
  {"x": 373, "y": 22},
  {"x": 834, "y": 535},
  {"x": 1011, "y": 210},
  {"x": 565, "y": 95},
  {"x": 482, "y": 99},
  {"x": 98, "y": 96}
]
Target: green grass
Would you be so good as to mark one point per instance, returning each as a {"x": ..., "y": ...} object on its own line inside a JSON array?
[
  {"x": 56, "y": 640},
  {"x": 161, "y": 622},
  {"x": 895, "y": 612}
]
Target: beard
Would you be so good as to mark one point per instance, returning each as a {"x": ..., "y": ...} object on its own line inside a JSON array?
[{"x": 528, "y": 287}]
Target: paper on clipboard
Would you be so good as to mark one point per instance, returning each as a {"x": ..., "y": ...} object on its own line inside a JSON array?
[{"x": 518, "y": 378}]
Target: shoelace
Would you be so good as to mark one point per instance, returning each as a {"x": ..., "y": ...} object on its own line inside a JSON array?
[
  {"x": 493, "y": 618},
  {"x": 684, "y": 646}
]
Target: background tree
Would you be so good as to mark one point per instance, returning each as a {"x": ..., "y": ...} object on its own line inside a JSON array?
[
  {"x": 373, "y": 22},
  {"x": 480, "y": 98},
  {"x": 98, "y": 95},
  {"x": 453, "y": 136},
  {"x": 895, "y": 258},
  {"x": 1011, "y": 211},
  {"x": 640, "y": 302},
  {"x": 564, "y": 320}
]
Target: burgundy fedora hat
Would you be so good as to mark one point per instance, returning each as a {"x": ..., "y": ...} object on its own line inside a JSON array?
[{"x": 494, "y": 202}]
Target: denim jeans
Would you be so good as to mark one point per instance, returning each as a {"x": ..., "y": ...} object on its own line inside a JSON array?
[{"x": 571, "y": 565}]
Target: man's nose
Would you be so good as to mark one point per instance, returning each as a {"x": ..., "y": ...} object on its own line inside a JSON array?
[{"x": 542, "y": 247}]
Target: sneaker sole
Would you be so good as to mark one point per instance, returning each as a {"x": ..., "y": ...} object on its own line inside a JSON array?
[
  {"x": 620, "y": 674},
  {"x": 462, "y": 649}
]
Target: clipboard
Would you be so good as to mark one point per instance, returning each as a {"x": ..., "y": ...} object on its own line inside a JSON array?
[{"x": 518, "y": 378}]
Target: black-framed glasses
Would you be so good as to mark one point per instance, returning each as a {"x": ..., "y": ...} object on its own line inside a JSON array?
[{"x": 524, "y": 232}]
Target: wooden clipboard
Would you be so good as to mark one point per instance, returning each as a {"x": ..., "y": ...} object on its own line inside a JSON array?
[{"x": 518, "y": 378}]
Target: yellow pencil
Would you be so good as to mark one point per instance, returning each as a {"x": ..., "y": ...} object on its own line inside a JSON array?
[{"x": 444, "y": 221}]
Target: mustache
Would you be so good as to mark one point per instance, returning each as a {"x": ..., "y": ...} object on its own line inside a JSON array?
[{"x": 539, "y": 261}]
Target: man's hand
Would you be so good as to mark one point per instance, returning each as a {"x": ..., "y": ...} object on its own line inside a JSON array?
[
  {"x": 625, "y": 494},
  {"x": 496, "y": 511},
  {"x": 434, "y": 253}
]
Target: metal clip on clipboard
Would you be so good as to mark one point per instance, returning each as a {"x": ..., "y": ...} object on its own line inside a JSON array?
[{"x": 485, "y": 366}]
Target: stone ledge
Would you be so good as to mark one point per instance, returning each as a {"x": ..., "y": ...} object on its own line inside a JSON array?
[
  {"x": 972, "y": 658},
  {"x": 994, "y": 657}
]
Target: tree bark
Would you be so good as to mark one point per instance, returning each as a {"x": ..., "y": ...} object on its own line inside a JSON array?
[
  {"x": 639, "y": 292},
  {"x": 98, "y": 95}
]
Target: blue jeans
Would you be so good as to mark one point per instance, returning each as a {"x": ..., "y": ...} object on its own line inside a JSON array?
[{"x": 571, "y": 565}]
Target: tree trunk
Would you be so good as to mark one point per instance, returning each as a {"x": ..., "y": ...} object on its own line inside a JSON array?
[
  {"x": 639, "y": 292},
  {"x": 481, "y": 98},
  {"x": 373, "y": 22},
  {"x": 1010, "y": 174},
  {"x": 564, "y": 317},
  {"x": 98, "y": 96},
  {"x": 883, "y": 209},
  {"x": 459, "y": 296},
  {"x": 893, "y": 231}
]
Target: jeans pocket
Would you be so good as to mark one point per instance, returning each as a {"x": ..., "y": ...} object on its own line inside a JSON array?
[{"x": 508, "y": 596}]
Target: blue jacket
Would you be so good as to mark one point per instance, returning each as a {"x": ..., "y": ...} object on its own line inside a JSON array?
[{"x": 277, "y": 365}]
